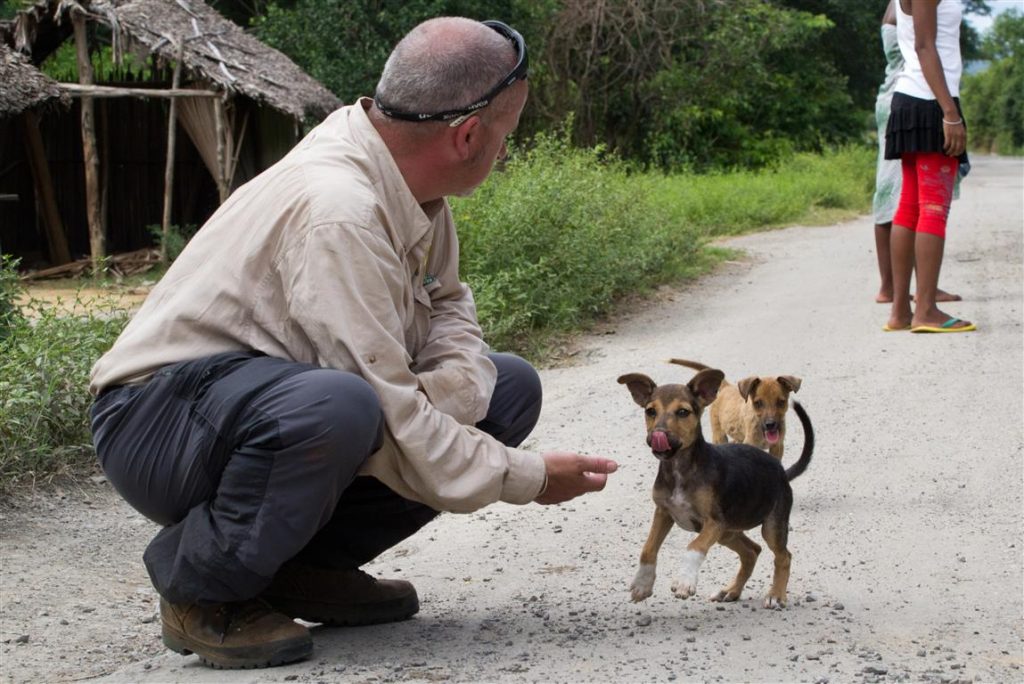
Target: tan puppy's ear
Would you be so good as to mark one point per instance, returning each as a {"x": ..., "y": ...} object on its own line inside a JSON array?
[
  {"x": 705, "y": 384},
  {"x": 790, "y": 382},
  {"x": 639, "y": 385},
  {"x": 747, "y": 386}
]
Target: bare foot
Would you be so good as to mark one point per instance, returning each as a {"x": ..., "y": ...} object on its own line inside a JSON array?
[
  {"x": 940, "y": 296},
  {"x": 938, "y": 319}
]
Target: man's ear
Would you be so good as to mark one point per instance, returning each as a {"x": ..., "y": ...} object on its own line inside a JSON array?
[{"x": 465, "y": 137}]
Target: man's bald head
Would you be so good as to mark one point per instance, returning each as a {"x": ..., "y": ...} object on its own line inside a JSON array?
[{"x": 443, "y": 64}]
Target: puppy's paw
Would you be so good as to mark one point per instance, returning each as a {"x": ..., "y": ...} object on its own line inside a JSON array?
[
  {"x": 685, "y": 585},
  {"x": 684, "y": 588},
  {"x": 643, "y": 583},
  {"x": 775, "y": 602},
  {"x": 726, "y": 595}
]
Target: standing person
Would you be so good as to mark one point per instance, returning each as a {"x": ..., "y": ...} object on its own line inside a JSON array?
[
  {"x": 308, "y": 385},
  {"x": 888, "y": 172},
  {"x": 926, "y": 131}
]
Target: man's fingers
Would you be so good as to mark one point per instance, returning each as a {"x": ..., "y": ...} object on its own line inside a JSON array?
[
  {"x": 596, "y": 464},
  {"x": 595, "y": 482}
]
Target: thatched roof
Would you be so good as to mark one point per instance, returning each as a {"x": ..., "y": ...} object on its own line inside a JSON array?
[
  {"x": 25, "y": 87},
  {"x": 217, "y": 50}
]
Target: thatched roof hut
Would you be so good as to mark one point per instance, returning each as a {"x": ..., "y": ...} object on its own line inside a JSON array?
[
  {"x": 216, "y": 50},
  {"x": 25, "y": 87},
  {"x": 241, "y": 103}
]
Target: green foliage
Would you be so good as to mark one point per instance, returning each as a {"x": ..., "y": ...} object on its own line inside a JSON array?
[
  {"x": 993, "y": 99},
  {"x": 62, "y": 65},
  {"x": 10, "y": 291},
  {"x": 177, "y": 238},
  {"x": 44, "y": 401},
  {"x": 802, "y": 188},
  {"x": 344, "y": 43},
  {"x": 549, "y": 243}
]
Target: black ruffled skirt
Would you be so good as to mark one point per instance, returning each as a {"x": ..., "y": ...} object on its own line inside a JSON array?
[{"x": 915, "y": 125}]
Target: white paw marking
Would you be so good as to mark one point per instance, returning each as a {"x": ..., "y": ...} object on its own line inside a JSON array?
[
  {"x": 685, "y": 585},
  {"x": 643, "y": 583}
]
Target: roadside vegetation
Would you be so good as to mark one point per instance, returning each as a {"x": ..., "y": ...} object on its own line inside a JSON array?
[{"x": 549, "y": 245}]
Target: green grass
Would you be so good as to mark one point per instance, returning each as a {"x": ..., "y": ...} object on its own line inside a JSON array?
[{"x": 550, "y": 245}]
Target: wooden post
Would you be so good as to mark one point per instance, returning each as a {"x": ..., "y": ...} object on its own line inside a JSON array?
[
  {"x": 220, "y": 127},
  {"x": 97, "y": 231},
  {"x": 56, "y": 240},
  {"x": 172, "y": 126}
]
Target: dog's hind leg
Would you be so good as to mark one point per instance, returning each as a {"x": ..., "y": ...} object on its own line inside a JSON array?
[
  {"x": 685, "y": 585},
  {"x": 748, "y": 550},
  {"x": 718, "y": 433},
  {"x": 643, "y": 583},
  {"x": 775, "y": 531}
]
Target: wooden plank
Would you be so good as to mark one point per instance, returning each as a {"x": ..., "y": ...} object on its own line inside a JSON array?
[
  {"x": 56, "y": 239},
  {"x": 172, "y": 127},
  {"x": 79, "y": 90},
  {"x": 97, "y": 231}
]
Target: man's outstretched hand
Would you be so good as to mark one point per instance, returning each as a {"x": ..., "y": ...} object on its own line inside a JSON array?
[{"x": 570, "y": 475}]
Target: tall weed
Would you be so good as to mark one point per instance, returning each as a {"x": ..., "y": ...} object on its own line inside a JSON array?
[
  {"x": 44, "y": 400},
  {"x": 550, "y": 243}
]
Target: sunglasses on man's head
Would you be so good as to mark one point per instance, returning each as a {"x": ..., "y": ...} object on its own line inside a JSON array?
[{"x": 457, "y": 116}]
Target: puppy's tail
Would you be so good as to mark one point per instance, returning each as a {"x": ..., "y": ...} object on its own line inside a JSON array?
[
  {"x": 797, "y": 469},
  {"x": 689, "y": 364}
]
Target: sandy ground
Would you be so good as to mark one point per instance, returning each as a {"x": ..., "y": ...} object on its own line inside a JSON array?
[{"x": 906, "y": 532}]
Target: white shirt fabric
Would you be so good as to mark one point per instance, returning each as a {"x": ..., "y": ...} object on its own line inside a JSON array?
[{"x": 911, "y": 79}]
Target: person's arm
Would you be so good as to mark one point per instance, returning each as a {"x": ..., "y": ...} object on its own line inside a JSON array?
[{"x": 925, "y": 16}]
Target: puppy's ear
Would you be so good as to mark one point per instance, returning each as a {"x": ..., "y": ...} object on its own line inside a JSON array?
[
  {"x": 747, "y": 386},
  {"x": 790, "y": 382},
  {"x": 639, "y": 385},
  {"x": 705, "y": 384}
]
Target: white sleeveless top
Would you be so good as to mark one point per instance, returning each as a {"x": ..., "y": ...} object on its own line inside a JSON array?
[{"x": 947, "y": 42}]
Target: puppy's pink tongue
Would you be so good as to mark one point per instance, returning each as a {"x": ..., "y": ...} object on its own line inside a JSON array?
[
  {"x": 772, "y": 436},
  {"x": 659, "y": 441}
]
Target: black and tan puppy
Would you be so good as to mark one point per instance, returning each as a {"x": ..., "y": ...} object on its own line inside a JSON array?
[
  {"x": 752, "y": 412},
  {"x": 717, "y": 491}
]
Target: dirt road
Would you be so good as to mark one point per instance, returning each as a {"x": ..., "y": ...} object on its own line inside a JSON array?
[{"x": 906, "y": 532}]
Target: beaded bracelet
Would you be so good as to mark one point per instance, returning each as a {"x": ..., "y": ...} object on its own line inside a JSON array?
[{"x": 953, "y": 123}]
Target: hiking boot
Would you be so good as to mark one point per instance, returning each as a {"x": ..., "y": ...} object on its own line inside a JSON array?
[
  {"x": 234, "y": 635},
  {"x": 340, "y": 597}
]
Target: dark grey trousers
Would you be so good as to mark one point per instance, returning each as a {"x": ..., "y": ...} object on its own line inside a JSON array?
[{"x": 249, "y": 461}]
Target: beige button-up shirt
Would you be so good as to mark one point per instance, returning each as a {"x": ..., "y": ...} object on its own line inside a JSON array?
[{"x": 327, "y": 258}]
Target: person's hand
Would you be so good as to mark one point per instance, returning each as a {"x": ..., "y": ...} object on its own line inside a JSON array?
[
  {"x": 570, "y": 475},
  {"x": 954, "y": 136}
]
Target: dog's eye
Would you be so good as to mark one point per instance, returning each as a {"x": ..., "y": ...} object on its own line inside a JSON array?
[
  {"x": 651, "y": 412},
  {"x": 758, "y": 404},
  {"x": 780, "y": 403},
  {"x": 682, "y": 413}
]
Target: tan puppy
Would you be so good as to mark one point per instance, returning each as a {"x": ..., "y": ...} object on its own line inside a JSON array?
[{"x": 753, "y": 412}]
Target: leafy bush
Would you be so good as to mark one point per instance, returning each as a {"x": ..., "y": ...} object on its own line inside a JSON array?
[
  {"x": 993, "y": 99},
  {"x": 44, "y": 402},
  {"x": 10, "y": 291}
]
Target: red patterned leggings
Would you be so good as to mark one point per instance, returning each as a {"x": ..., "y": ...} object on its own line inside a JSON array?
[{"x": 927, "y": 192}]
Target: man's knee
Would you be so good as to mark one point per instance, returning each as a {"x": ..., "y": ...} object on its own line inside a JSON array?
[{"x": 326, "y": 410}]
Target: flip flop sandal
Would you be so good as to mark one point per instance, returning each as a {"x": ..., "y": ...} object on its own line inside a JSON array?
[{"x": 950, "y": 326}]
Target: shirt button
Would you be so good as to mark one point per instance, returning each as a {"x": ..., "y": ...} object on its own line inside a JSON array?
[{"x": 371, "y": 359}]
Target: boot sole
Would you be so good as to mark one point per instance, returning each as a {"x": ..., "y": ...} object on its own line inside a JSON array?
[
  {"x": 239, "y": 658},
  {"x": 394, "y": 610}
]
